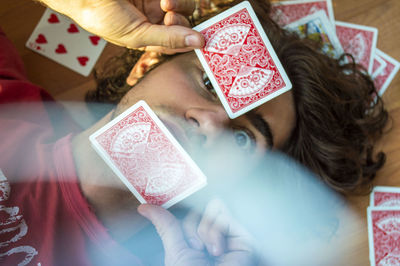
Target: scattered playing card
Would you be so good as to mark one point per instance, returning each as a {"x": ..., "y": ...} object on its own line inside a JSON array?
[
  {"x": 385, "y": 77},
  {"x": 378, "y": 65},
  {"x": 147, "y": 158},
  {"x": 318, "y": 27},
  {"x": 287, "y": 12},
  {"x": 359, "y": 41},
  {"x": 62, "y": 40},
  {"x": 385, "y": 197},
  {"x": 383, "y": 234},
  {"x": 239, "y": 60}
]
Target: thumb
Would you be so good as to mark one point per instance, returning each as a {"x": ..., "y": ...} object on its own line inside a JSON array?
[
  {"x": 172, "y": 36},
  {"x": 167, "y": 226}
]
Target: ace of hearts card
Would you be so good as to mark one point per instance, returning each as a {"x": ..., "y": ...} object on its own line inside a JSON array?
[
  {"x": 147, "y": 158},
  {"x": 59, "y": 38},
  {"x": 240, "y": 61}
]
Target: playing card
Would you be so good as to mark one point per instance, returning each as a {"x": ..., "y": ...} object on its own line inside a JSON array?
[
  {"x": 385, "y": 77},
  {"x": 147, "y": 158},
  {"x": 62, "y": 40},
  {"x": 378, "y": 65},
  {"x": 287, "y": 12},
  {"x": 385, "y": 197},
  {"x": 383, "y": 234},
  {"x": 239, "y": 60},
  {"x": 359, "y": 41},
  {"x": 318, "y": 27}
]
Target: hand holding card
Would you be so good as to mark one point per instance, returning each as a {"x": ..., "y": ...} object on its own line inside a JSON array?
[
  {"x": 239, "y": 60},
  {"x": 134, "y": 24}
]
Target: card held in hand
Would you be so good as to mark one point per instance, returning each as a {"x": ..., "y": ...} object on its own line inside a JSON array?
[
  {"x": 240, "y": 61},
  {"x": 147, "y": 158}
]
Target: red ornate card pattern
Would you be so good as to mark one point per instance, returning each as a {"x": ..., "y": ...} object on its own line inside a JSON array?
[
  {"x": 240, "y": 61},
  {"x": 286, "y": 13},
  {"x": 387, "y": 199},
  {"x": 148, "y": 160},
  {"x": 383, "y": 79},
  {"x": 384, "y": 226},
  {"x": 359, "y": 41}
]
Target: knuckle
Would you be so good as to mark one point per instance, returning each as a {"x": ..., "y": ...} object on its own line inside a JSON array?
[{"x": 170, "y": 40}]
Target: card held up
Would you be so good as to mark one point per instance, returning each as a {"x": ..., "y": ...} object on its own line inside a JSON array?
[
  {"x": 147, "y": 158},
  {"x": 240, "y": 61}
]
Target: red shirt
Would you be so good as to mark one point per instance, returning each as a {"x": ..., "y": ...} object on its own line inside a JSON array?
[{"x": 44, "y": 218}]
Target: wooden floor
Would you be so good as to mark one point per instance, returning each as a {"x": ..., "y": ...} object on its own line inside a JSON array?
[{"x": 19, "y": 17}]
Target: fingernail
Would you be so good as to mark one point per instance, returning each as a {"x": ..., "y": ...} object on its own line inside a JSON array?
[
  {"x": 192, "y": 41},
  {"x": 195, "y": 243},
  {"x": 166, "y": 5}
]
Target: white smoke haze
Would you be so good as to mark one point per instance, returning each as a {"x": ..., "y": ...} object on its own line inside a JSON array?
[{"x": 293, "y": 217}]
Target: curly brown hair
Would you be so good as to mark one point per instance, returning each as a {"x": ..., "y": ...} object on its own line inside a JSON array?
[{"x": 338, "y": 115}]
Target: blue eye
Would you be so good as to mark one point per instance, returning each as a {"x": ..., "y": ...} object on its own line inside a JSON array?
[{"x": 244, "y": 139}]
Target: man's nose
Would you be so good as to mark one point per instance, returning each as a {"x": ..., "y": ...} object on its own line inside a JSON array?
[{"x": 209, "y": 123}]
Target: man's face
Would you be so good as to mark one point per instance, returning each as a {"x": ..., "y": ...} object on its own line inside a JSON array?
[{"x": 181, "y": 96}]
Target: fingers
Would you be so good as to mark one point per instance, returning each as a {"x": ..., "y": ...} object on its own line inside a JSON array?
[
  {"x": 189, "y": 225},
  {"x": 163, "y": 50},
  {"x": 172, "y": 18},
  {"x": 213, "y": 227},
  {"x": 173, "y": 37},
  {"x": 167, "y": 226},
  {"x": 184, "y": 7}
]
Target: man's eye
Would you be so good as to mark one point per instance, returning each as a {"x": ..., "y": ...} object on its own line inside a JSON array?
[
  {"x": 244, "y": 139},
  {"x": 209, "y": 86}
]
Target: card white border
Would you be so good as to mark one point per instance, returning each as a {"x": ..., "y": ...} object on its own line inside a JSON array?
[
  {"x": 382, "y": 189},
  {"x": 328, "y": 3},
  {"x": 365, "y": 28},
  {"x": 370, "y": 237},
  {"x": 380, "y": 68},
  {"x": 325, "y": 20},
  {"x": 104, "y": 155},
  {"x": 394, "y": 72},
  {"x": 223, "y": 15}
]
